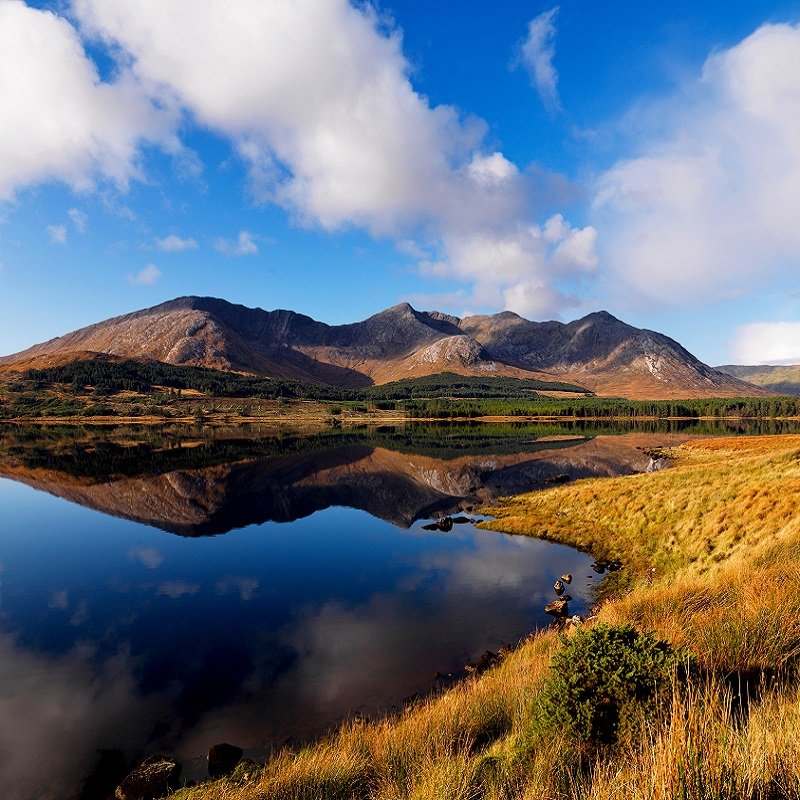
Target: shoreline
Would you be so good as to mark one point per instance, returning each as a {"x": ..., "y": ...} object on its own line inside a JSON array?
[{"x": 704, "y": 563}]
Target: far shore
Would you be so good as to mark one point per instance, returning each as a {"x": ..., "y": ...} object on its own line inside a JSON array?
[{"x": 325, "y": 420}]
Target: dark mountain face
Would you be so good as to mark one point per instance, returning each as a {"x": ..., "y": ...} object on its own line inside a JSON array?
[{"x": 597, "y": 351}]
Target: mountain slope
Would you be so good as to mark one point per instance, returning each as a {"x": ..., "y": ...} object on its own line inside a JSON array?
[
  {"x": 783, "y": 379},
  {"x": 597, "y": 351},
  {"x": 603, "y": 353}
]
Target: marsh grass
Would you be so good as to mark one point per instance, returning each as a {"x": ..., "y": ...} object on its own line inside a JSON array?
[{"x": 722, "y": 531}]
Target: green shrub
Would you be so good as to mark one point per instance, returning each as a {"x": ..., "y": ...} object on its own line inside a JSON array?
[{"x": 605, "y": 680}]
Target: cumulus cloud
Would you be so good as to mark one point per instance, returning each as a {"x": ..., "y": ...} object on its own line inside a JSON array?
[
  {"x": 57, "y": 234},
  {"x": 63, "y": 706},
  {"x": 707, "y": 210},
  {"x": 176, "y": 589},
  {"x": 147, "y": 276},
  {"x": 60, "y": 121},
  {"x": 518, "y": 268},
  {"x": 176, "y": 244},
  {"x": 317, "y": 101},
  {"x": 536, "y": 55},
  {"x": 767, "y": 343},
  {"x": 243, "y": 245},
  {"x": 147, "y": 556},
  {"x": 238, "y": 584}
]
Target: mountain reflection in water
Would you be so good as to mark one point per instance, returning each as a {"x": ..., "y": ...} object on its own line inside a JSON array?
[
  {"x": 114, "y": 635},
  {"x": 287, "y": 483}
]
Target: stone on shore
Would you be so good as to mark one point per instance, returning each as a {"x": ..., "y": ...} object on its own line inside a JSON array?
[
  {"x": 154, "y": 778},
  {"x": 222, "y": 759}
]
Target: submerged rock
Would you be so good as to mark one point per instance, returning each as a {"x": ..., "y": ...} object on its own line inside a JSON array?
[
  {"x": 154, "y": 778},
  {"x": 222, "y": 759}
]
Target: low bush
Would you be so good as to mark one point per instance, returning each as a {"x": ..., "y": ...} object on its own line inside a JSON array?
[{"x": 605, "y": 680}]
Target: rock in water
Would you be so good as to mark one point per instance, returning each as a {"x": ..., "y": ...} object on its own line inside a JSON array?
[
  {"x": 222, "y": 759},
  {"x": 559, "y": 587},
  {"x": 558, "y": 608},
  {"x": 567, "y": 578},
  {"x": 154, "y": 778}
]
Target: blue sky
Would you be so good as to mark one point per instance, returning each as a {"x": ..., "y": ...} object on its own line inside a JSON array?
[{"x": 337, "y": 159}]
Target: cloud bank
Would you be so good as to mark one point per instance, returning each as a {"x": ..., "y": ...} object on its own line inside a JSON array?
[
  {"x": 767, "y": 343},
  {"x": 317, "y": 102},
  {"x": 707, "y": 210},
  {"x": 60, "y": 121}
]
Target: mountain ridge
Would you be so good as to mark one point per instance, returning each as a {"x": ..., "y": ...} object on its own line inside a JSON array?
[{"x": 599, "y": 351}]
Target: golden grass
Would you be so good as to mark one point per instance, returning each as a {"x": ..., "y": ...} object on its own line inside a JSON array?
[
  {"x": 722, "y": 531},
  {"x": 715, "y": 501}
]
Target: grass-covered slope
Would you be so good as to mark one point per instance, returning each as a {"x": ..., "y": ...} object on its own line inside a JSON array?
[
  {"x": 783, "y": 379},
  {"x": 721, "y": 531}
]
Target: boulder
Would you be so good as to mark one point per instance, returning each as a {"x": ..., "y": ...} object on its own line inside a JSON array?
[
  {"x": 559, "y": 587},
  {"x": 558, "y": 608},
  {"x": 154, "y": 778},
  {"x": 566, "y": 577},
  {"x": 222, "y": 759}
]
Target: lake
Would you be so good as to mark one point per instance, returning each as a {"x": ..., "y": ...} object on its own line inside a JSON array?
[{"x": 164, "y": 589}]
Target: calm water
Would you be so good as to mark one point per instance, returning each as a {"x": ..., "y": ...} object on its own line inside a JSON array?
[{"x": 165, "y": 590}]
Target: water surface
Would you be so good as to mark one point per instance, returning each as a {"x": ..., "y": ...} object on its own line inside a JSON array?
[{"x": 162, "y": 590}]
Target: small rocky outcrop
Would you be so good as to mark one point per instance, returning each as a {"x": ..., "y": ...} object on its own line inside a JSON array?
[
  {"x": 246, "y": 770},
  {"x": 486, "y": 661},
  {"x": 222, "y": 759},
  {"x": 154, "y": 778}
]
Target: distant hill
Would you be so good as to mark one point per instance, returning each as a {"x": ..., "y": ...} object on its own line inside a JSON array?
[
  {"x": 598, "y": 352},
  {"x": 781, "y": 379}
]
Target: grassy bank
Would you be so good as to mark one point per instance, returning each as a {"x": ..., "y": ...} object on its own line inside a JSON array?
[{"x": 711, "y": 550}]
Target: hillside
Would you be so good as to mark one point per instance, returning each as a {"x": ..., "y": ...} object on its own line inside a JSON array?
[
  {"x": 782, "y": 379},
  {"x": 598, "y": 351}
]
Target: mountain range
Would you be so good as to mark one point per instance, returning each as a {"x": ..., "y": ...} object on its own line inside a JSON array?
[{"x": 598, "y": 351}]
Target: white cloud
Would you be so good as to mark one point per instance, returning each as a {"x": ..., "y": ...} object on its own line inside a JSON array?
[
  {"x": 536, "y": 55},
  {"x": 708, "y": 208},
  {"x": 767, "y": 343},
  {"x": 64, "y": 705},
  {"x": 177, "y": 589},
  {"x": 79, "y": 219},
  {"x": 175, "y": 244},
  {"x": 147, "y": 276},
  {"x": 147, "y": 556},
  {"x": 520, "y": 268},
  {"x": 59, "y": 120},
  {"x": 243, "y": 245},
  {"x": 316, "y": 99},
  {"x": 57, "y": 234}
]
